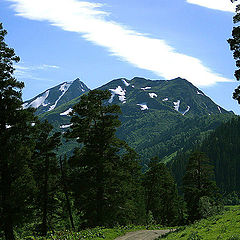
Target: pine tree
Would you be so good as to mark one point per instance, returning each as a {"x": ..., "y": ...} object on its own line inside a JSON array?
[
  {"x": 161, "y": 193},
  {"x": 16, "y": 145},
  {"x": 234, "y": 43},
  {"x": 65, "y": 188},
  {"x": 46, "y": 173},
  {"x": 102, "y": 163},
  {"x": 198, "y": 182}
]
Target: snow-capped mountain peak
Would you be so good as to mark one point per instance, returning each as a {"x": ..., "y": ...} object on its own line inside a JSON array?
[{"x": 55, "y": 96}]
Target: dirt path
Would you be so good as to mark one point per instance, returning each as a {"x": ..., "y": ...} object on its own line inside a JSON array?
[{"x": 143, "y": 235}]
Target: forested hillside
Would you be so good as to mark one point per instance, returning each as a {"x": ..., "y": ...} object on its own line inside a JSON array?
[{"x": 222, "y": 147}]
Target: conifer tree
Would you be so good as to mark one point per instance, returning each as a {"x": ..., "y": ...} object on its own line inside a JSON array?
[
  {"x": 46, "y": 173},
  {"x": 234, "y": 43},
  {"x": 16, "y": 145},
  {"x": 65, "y": 188},
  {"x": 161, "y": 193},
  {"x": 99, "y": 171},
  {"x": 198, "y": 182}
]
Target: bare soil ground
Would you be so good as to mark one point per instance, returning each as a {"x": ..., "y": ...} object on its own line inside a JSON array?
[{"x": 143, "y": 235}]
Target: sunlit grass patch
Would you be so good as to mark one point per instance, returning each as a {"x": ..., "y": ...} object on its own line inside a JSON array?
[{"x": 225, "y": 226}]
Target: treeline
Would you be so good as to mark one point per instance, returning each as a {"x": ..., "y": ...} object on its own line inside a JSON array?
[{"x": 222, "y": 147}]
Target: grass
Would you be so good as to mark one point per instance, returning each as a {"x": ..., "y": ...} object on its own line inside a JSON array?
[
  {"x": 98, "y": 233},
  {"x": 225, "y": 226}
]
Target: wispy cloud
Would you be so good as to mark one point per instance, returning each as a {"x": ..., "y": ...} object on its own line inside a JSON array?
[
  {"x": 136, "y": 48},
  {"x": 30, "y": 72},
  {"x": 222, "y": 5}
]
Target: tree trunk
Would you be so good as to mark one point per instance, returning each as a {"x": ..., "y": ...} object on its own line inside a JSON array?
[
  {"x": 100, "y": 193},
  {"x": 8, "y": 229},
  {"x": 5, "y": 196},
  {"x": 45, "y": 199},
  {"x": 66, "y": 194}
]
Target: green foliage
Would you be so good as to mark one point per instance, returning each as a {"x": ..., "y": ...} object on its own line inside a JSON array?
[
  {"x": 17, "y": 185},
  {"x": 87, "y": 234},
  {"x": 161, "y": 193},
  {"x": 235, "y": 47},
  {"x": 223, "y": 226},
  {"x": 208, "y": 207},
  {"x": 222, "y": 146},
  {"x": 45, "y": 171},
  {"x": 232, "y": 198},
  {"x": 150, "y": 218},
  {"x": 194, "y": 236},
  {"x": 199, "y": 187},
  {"x": 105, "y": 174}
]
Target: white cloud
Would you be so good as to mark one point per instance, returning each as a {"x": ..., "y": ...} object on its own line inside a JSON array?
[
  {"x": 136, "y": 48},
  {"x": 32, "y": 68},
  {"x": 44, "y": 67},
  {"x": 23, "y": 71},
  {"x": 222, "y": 5}
]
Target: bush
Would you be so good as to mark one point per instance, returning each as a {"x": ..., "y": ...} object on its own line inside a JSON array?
[{"x": 208, "y": 207}]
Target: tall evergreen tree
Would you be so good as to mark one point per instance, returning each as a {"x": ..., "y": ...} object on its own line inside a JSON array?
[
  {"x": 234, "y": 43},
  {"x": 161, "y": 193},
  {"x": 98, "y": 168},
  {"x": 198, "y": 182},
  {"x": 65, "y": 187},
  {"x": 46, "y": 173},
  {"x": 16, "y": 145}
]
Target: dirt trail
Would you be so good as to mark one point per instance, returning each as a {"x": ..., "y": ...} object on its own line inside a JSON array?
[{"x": 143, "y": 235}]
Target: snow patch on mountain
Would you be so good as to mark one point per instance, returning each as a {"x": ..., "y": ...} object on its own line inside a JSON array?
[
  {"x": 82, "y": 86},
  {"x": 188, "y": 108},
  {"x": 176, "y": 105},
  {"x": 66, "y": 112},
  {"x": 125, "y": 82},
  {"x": 146, "y": 88},
  {"x": 199, "y": 93},
  {"x": 63, "y": 88},
  {"x": 143, "y": 106},
  {"x": 219, "y": 109},
  {"x": 66, "y": 126},
  {"x": 40, "y": 101},
  {"x": 120, "y": 92},
  {"x": 152, "y": 95},
  {"x": 165, "y": 99}
]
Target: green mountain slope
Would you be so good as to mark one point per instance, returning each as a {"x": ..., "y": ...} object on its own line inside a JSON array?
[{"x": 158, "y": 117}]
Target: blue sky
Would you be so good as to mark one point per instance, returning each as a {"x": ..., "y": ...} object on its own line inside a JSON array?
[{"x": 100, "y": 40}]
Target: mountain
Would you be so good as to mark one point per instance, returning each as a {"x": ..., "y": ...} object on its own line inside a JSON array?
[
  {"x": 158, "y": 117},
  {"x": 56, "y": 96},
  {"x": 177, "y": 94}
]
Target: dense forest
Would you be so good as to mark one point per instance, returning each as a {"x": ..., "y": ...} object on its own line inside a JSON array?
[{"x": 222, "y": 147}]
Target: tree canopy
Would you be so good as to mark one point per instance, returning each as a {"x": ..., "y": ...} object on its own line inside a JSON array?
[
  {"x": 234, "y": 43},
  {"x": 16, "y": 145},
  {"x": 104, "y": 168},
  {"x": 198, "y": 182}
]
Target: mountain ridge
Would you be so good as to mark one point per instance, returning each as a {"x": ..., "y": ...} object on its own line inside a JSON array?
[{"x": 158, "y": 117}]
